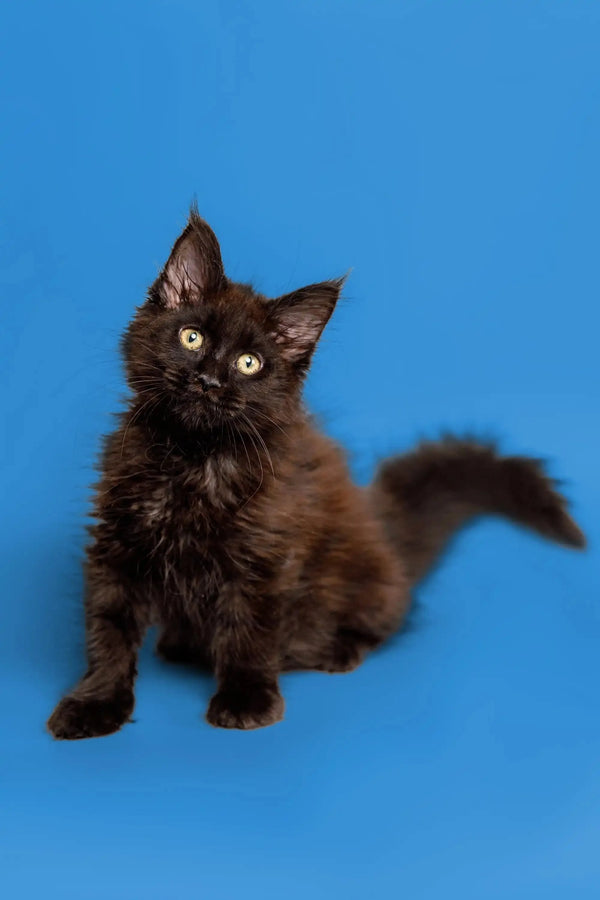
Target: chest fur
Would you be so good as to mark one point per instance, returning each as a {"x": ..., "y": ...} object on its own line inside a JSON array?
[
  {"x": 153, "y": 518},
  {"x": 185, "y": 530},
  {"x": 190, "y": 508}
]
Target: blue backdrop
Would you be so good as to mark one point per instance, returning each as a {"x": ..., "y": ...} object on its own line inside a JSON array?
[{"x": 448, "y": 152}]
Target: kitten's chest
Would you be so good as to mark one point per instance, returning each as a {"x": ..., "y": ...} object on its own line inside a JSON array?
[
  {"x": 177, "y": 525},
  {"x": 172, "y": 536},
  {"x": 183, "y": 508}
]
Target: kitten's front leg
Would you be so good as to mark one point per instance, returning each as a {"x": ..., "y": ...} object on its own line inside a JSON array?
[
  {"x": 103, "y": 700},
  {"x": 246, "y": 652}
]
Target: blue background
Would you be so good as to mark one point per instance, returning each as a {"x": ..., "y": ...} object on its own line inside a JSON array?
[{"x": 448, "y": 152}]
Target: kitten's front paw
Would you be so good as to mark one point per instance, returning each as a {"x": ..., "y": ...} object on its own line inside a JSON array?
[
  {"x": 77, "y": 717},
  {"x": 245, "y": 708}
]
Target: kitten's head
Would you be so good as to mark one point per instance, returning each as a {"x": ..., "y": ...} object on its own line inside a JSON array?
[{"x": 208, "y": 351}]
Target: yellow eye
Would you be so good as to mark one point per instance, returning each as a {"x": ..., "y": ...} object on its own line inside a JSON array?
[
  {"x": 190, "y": 338},
  {"x": 248, "y": 364}
]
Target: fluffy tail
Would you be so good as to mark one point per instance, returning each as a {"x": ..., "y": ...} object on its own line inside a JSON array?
[{"x": 425, "y": 496}]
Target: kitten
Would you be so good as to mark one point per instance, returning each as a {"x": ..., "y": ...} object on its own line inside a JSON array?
[{"x": 224, "y": 516}]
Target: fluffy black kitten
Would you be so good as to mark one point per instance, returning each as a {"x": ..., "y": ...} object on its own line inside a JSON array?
[{"x": 224, "y": 516}]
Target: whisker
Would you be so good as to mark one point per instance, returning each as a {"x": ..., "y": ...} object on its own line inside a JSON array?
[
  {"x": 261, "y": 439},
  {"x": 262, "y": 473},
  {"x": 262, "y": 414},
  {"x": 136, "y": 415}
]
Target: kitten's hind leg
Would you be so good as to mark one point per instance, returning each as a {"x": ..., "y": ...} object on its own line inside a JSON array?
[
  {"x": 366, "y": 625},
  {"x": 344, "y": 653},
  {"x": 348, "y": 650}
]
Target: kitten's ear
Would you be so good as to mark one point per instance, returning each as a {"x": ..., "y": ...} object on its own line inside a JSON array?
[
  {"x": 299, "y": 318},
  {"x": 194, "y": 267}
]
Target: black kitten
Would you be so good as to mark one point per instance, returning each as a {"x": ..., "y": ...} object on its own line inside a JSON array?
[{"x": 223, "y": 515}]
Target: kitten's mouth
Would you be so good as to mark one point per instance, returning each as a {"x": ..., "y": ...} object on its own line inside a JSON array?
[
  {"x": 199, "y": 391},
  {"x": 207, "y": 397},
  {"x": 213, "y": 406}
]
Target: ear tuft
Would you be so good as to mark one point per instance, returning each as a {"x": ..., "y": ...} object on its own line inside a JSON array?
[
  {"x": 299, "y": 318},
  {"x": 194, "y": 268}
]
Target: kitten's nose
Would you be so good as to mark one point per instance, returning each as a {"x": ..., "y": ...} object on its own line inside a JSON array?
[{"x": 207, "y": 382}]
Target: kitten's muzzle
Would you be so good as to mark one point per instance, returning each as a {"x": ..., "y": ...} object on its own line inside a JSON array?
[{"x": 207, "y": 383}]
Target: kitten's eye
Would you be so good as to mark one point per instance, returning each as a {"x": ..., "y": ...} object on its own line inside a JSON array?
[
  {"x": 248, "y": 364},
  {"x": 190, "y": 338}
]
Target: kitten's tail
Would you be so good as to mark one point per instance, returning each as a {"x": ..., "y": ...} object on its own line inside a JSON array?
[{"x": 425, "y": 496}]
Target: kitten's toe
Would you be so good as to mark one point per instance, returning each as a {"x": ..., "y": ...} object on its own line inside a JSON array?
[
  {"x": 246, "y": 709},
  {"x": 77, "y": 717}
]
